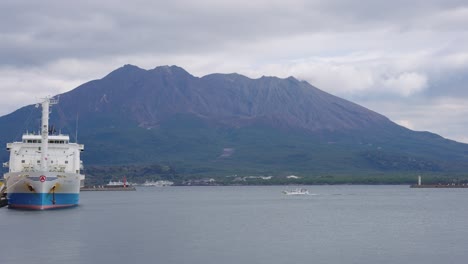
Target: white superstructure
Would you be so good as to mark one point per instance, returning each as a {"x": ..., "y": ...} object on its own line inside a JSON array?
[{"x": 61, "y": 156}]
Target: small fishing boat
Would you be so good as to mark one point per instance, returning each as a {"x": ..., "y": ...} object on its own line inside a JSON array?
[{"x": 298, "y": 191}]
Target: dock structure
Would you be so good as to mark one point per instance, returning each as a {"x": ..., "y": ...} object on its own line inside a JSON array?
[
  {"x": 3, "y": 195},
  {"x": 3, "y": 199},
  {"x": 439, "y": 185},
  {"x": 3, "y": 202},
  {"x": 107, "y": 188}
]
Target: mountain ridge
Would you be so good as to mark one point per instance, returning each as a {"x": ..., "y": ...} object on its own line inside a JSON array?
[{"x": 186, "y": 90}]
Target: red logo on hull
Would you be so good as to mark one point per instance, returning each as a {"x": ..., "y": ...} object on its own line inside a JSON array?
[{"x": 42, "y": 178}]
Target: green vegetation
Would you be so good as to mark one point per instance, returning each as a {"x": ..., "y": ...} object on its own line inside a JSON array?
[
  {"x": 193, "y": 149},
  {"x": 186, "y": 148},
  {"x": 99, "y": 175}
]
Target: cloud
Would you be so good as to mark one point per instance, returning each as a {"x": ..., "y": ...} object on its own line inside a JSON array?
[
  {"x": 405, "y": 123},
  {"x": 445, "y": 116},
  {"x": 18, "y": 89},
  {"x": 408, "y": 56},
  {"x": 48, "y": 30},
  {"x": 365, "y": 72},
  {"x": 406, "y": 84}
]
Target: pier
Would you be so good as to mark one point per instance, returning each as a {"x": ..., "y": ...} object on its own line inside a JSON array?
[
  {"x": 3, "y": 195},
  {"x": 439, "y": 185},
  {"x": 3, "y": 201},
  {"x": 107, "y": 188}
]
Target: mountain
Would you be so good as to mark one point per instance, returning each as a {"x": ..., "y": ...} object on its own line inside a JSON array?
[{"x": 226, "y": 124}]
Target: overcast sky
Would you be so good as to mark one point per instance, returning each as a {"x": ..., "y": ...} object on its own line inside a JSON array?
[{"x": 407, "y": 60}]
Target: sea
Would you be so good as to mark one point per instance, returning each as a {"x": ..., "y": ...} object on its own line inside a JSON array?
[{"x": 244, "y": 224}]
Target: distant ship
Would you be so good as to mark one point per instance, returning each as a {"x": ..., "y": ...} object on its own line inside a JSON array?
[
  {"x": 160, "y": 183},
  {"x": 116, "y": 184},
  {"x": 119, "y": 184},
  {"x": 44, "y": 170},
  {"x": 112, "y": 186}
]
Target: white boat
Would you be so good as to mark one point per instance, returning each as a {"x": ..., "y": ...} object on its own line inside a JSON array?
[
  {"x": 298, "y": 191},
  {"x": 116, "y": 183},
  {"x": 44, "y": 169},
  {"x": 160, "y": 183},
  {"x": 119, "y": 183}
]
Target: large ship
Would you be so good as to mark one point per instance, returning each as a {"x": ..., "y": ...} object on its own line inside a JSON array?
[{"x": 44, "y": 169}]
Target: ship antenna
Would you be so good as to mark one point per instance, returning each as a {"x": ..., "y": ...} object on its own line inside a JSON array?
[
  {"x": 76, "y": 128},
  {"x": 48, "y": 101}
]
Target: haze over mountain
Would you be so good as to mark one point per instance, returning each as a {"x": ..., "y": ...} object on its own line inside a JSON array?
[{"x": 223, "y": 124}]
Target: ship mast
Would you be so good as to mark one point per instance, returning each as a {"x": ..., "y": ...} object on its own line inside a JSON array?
[{"x": 48, "y": 101}]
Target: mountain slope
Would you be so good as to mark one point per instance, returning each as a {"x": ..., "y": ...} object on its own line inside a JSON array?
[
  {"x": 224, "y": 124},
  {"x": 149, "y": 97}
]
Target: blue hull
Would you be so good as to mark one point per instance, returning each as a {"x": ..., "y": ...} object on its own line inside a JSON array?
[{"x": 42, "y": 201}]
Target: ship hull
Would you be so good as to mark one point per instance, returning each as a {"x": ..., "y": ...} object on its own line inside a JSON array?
[{"x": 42, "y": 190}]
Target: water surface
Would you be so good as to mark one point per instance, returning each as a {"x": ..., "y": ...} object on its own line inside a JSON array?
[{"x": 336, "y": 224}]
